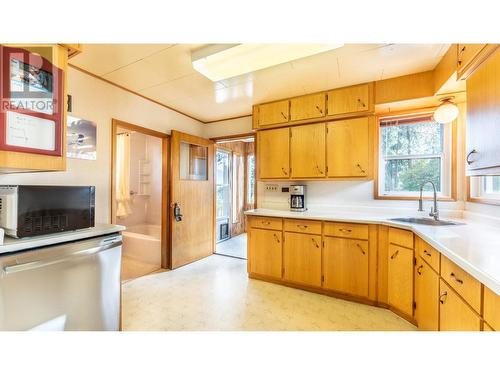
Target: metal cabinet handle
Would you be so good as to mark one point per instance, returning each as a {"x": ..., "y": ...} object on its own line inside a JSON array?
[
  {"x": 284, "y": 116},
  {"x": 442, "y": 297},
  {"x": 419, "y": 269},
  {"x": 319, "y": 169},
  {"x": 395, "y": 254},
  {"x": 303, "y": 227},
  {"x": 427, "y": 253},
  {"x": 319, "y": 109},
  {"x": 276, "y": 238},
  {"x": 345, "y": 230},
  {"x": 361, "y": 102},
  {"x": 314, "y": 242},
  {"x": 460, "y": 53},
  {"x": 469, "y": 162},
  {"x": 453, "y": 276},
  {"x": 360, "y": 248},
  {"x": 360, "y": 168},
  {"x": 284, "y": 171},
  {"x": 266, "y": 222}
]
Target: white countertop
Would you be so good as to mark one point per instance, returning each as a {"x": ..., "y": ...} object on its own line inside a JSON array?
[
  {"x": 475, "y": 247},
  {"x": 17, "y": 244}
]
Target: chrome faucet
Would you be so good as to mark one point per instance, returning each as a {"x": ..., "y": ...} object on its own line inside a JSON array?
[{"x": 434, "y": 210}]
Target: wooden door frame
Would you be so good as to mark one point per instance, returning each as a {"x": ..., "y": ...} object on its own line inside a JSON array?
[
  {"x": 216, "y": 144},
  {"x": 165, "y": 191}
]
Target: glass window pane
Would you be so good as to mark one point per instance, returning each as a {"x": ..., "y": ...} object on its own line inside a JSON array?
[
  {"x": 251, "y": 179},
  {"x": 408, "y": 174},
  {"x": 492, "y": 184},
  {"x": 222, "y": 180},
  {"x": 424, "y": 138},
  {"x": 193, "y": 162}
]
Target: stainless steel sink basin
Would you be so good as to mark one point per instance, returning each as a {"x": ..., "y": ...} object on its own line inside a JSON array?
[{"x": 425, "y": 221}]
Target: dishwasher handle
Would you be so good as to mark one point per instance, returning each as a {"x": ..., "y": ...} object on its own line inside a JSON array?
[{"x": 106, "y": 245}]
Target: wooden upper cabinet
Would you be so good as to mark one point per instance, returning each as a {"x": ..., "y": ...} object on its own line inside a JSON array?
[
  {"x": 265, "y": 252},
  {"x": 302, "y": 259},
  {"x": 400, "y": 279},
  {"x": 345, "y": 266},
  {"x": 348, "y": 148},
  {"x": 483, "y": 113},
  {"x": 274, "y": 113},
  {"x": 426, "y": 296},
  {"x": 273, "y": 151},
  {"x": 471, "y": 56},
  {"x": 308, "y": 107},
  {"x": 350, "y": 100},
  {"x": 454, "y": 313},
  {"x": 307, "y": 151}
]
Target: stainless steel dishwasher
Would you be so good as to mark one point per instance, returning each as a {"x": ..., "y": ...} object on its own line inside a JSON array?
[{"x": 71, "y": 286}]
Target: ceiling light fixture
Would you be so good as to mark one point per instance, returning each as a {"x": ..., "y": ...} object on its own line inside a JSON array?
[
  {"x": 446, "y": 112},
  {"x": 222, "y": 61}
]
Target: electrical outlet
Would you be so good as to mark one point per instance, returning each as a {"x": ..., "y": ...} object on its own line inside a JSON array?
[{"x": 273, "y": 188}]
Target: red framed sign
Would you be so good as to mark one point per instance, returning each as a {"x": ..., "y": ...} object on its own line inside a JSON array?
[{"x": 31, "y": 103}]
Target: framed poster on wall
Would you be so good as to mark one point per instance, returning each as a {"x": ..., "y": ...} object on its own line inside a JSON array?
[{"x": 31, "y": 97}]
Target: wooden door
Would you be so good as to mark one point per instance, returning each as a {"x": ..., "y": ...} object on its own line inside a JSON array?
[
  {"x": 274, "y": 113},
  {"x": 307, "y": 151},
  {"x": 302, "y": 259},
  {"x": 426, "y": 297},
  {"x": 307, "y": 107},
  {"x": 454, "y": 313},
  {"x": 192, "y": 192},
  {"x": 348, "y": 148},
  {"x": 265, "y": 252},
  {"x": 345, "y": 266},
  {"x": 273, "y": 153},
  {"x": 400, "y": 279},
  {"x": 349, "y": 100}
]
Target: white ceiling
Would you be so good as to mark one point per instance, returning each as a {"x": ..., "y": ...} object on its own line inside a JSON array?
[{"x": 163, "y": 72}]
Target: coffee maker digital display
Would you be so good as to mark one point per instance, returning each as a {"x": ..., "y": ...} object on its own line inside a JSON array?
[{"x": 298, "y": 198}]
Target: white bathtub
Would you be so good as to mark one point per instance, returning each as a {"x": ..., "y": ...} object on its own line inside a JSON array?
[{"x": 142, "y": 243}]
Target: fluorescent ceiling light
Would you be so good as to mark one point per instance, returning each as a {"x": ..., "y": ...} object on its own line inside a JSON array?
[{"x": 221, "y": 61}]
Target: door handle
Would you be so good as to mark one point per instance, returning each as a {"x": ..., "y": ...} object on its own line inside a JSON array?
[
  {"x": 177, "y": 212},
  {"x": 469, "y": 162},
  {"x": 442, "y": 297},
  {"x": 360, "y": 248}
]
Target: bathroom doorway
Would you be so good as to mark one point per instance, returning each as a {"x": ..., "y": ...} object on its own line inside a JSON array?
[
  {"x": 235, "y": 193},
  {"x": 139, "y": 197}
]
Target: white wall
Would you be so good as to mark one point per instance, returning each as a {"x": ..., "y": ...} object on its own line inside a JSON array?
[
  {"x": 98, "y": 101},
  {"x": 229, "y": 127}
]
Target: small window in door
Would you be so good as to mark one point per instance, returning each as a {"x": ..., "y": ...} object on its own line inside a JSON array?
[{"x": 193, "y": 162}]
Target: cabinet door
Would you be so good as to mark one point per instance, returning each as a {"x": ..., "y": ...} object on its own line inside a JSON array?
[
  {"x": 348, "y": 148},
  {"x": 483, "y": 111},
  {"x": 426, "y": 297},
  {"x": 465, "y": 54},
  {"x": 454, "y": 313},
  {"x": 349, "y": 100},
  {"x": 492, "y": 308},
  {"x": 274, "y": 113},
  {"x": 307, "y": 151},
  {"x": 273, "y": 153},
  {"x": 400, "y": 279},
  {"x": 265, "y": 252},
  {"x": 345, "y": 266},
  {"x": 308, "y": 106},
  {"x": 302, "y": 259}
]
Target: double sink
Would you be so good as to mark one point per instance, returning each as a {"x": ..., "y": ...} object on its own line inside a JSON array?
[{"x": 425, "y": 221}]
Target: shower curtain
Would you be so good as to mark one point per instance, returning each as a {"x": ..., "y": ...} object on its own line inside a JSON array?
[{"x": 123, "y": 208}]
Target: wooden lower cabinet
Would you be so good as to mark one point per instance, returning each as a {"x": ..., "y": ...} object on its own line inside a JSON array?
[
  {"x": 345, "y": 266},
  {"x": 265, "y": 252},
  {"x": 426, "y": 297},
  {"x": 454, "y": 313},
  {"x": 400, "y": 279},
  {"x": 491, "y": 308},
  {"x": 302, "y": 259}
]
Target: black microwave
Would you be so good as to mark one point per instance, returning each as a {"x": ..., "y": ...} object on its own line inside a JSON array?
[{"x": 33, "y": 210}]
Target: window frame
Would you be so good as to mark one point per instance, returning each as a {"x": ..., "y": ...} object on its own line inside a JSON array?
[
  {"x": 475, "y": 185},
  {"x": 448, "y": 173}
]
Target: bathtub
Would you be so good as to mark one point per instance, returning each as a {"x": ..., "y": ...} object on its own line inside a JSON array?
[{"x": 142, "y": 247}]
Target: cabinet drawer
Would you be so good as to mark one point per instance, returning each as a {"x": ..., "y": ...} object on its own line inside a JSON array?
[
  {"x": 303, "y": 226},
  {"x": 274, "y": 113},
  {"x": 463, "y": 283},
  {"x": 401, "y": 237},
  {"x": 428, "y": 253},
  {"x": 454, "y": 313},
  {"x": 492, "y": 308},
  {"x": 265, "y": 222},
  {"x": 306, "y": 107},
  {"x": 347, "y": 230}
]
